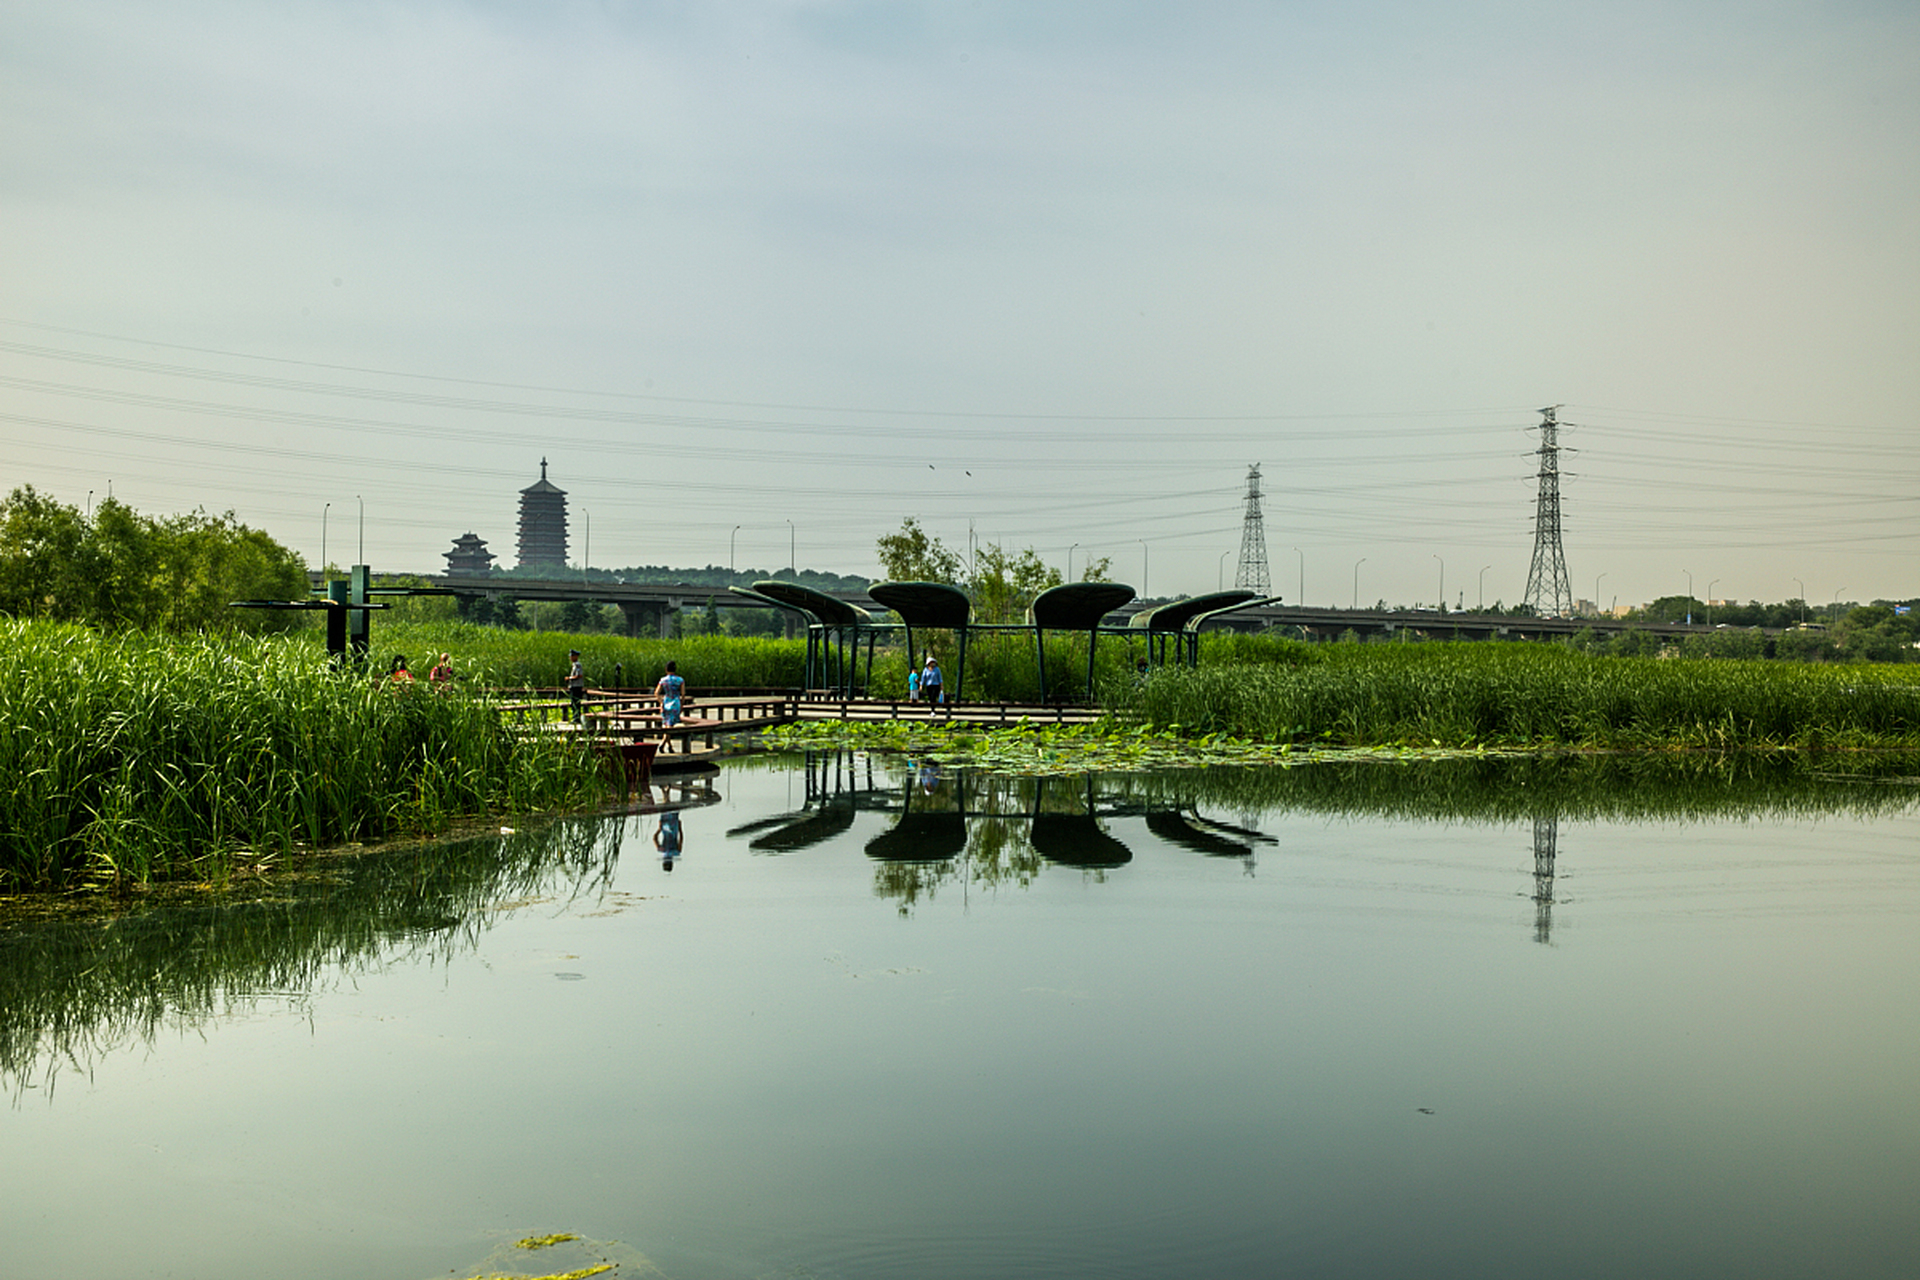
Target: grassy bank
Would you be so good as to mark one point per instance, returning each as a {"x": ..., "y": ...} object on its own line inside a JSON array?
[
  {"x": 133, "y": 758},
  {"x": 1467, "y": 695}
]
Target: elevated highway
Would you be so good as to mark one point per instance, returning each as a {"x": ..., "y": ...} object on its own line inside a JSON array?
[{"x": 646, "y": 607}]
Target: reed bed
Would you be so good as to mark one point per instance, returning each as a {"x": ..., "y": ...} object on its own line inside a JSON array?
[
  {"x": 1531, "y": 695},
  {"x": 133, "y": 758},
  {"x": 495, "y": 658}
]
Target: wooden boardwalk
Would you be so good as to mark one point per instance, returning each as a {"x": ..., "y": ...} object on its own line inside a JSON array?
[{"x": 613, "y": 721}]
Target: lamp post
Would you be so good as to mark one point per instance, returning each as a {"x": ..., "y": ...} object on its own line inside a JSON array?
[
  {"x": 1301, "y": 599},
  {"x": 1443, "y": 581},
  {"x": 323, "y": 541},
  {"x": 1143, "y": 567},
  {"x": 1483, "y": 586},
  {"x": 733, "y": 540},
  {"x": 793, "y": 557},
  {"x": 1689, "y": 574},
  {"x": 1220, "y": 582},
  {"x": 1356, "y": 581},
  {"x": 586, "y": 554},
  {"x": 1710, "y": 586},
  {"x": 1833, "y": 613},
  {"x": 1596, "y": 591},
  {"x": 363, "y": 527},
  {"x": 1070, "y": 550},
  {"x": 1803, "y": 598}
]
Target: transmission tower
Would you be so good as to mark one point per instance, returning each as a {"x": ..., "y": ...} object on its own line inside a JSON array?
[
  {"x": 1252, "y": 573},
  {"x": 1548, "y": 590}
]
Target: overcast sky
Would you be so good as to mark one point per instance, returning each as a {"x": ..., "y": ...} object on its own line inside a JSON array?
[{"x": 753, "y": 277}]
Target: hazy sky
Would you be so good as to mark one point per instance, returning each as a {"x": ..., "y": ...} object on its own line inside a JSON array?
[{"x": 1052, "y": 273}]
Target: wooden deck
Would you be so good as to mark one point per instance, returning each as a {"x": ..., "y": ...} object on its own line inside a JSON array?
[{"x": 616, "y": 722}]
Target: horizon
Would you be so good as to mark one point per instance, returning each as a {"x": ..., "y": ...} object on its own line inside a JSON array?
[{"x": 759, "y": 281}]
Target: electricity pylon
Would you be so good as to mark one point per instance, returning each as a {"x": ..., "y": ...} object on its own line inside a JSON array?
[
  {"x": 1548, "y": 590},
  {"x": 1252, "y": 573}
]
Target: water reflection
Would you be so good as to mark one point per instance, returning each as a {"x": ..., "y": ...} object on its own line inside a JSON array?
[
  {"x": 940, "y": 826},
  {"x": 71, "y": 991}
]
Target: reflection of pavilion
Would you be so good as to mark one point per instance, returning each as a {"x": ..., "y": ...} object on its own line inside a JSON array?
[{"x": 936, "y": 816}]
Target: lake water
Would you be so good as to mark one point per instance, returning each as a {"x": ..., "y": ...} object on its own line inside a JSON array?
[{"x": 879, "y": 1019}]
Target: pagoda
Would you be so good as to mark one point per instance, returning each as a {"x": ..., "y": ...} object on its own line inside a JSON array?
[
  {"x": 543, "y": 524},
  {"x": 469, "y": 556}
]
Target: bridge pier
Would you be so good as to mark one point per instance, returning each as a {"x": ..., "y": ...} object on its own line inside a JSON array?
[{"x": 646, "y": 618}]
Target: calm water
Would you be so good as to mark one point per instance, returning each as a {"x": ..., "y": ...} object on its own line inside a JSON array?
[{"x": 1382, "y": 1021}]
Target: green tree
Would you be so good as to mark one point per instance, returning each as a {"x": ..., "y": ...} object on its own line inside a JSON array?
[{"x": 914, "y": 555}]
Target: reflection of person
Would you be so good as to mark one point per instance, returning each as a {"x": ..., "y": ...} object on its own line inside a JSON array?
[
  {"x": 441, "y": 676},
  {"x": 930, "y": 681},
  {"x": 666, "y": 838},
  {"x": 929, "y": 776},
  {"x": 576, "y": 684},
  {"x": 671, "y": 688},
  {"x": 400, "y": 674}
]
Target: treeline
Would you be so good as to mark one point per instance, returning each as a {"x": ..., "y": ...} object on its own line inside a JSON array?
[
  {"x": 1865, "y": 633},
  {"x": 113, "y": 568}
]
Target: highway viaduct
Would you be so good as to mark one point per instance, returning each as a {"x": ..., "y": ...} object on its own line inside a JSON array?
[{"x": 647, "y": 608}]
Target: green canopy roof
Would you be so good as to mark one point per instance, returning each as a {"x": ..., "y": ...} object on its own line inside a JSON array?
[
  {"x": 1077, "y": 606},
  {"x": 924, "y": 604},
  {"x": 1175, "y": 616},
  {"x": 831, "y": 610}
]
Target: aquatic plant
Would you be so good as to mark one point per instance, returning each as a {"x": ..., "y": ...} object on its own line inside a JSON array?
[
  {"x": 1466, "y": 695},
  {"x": 130, "y": 758}
]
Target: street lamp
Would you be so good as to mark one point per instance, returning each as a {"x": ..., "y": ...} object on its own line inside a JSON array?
[
  {"x": 1301, "y": 599},
  {"x": 1483, "y": 586},
  {"x": 1833, "y": 613},
  {"x": 1221, "y": 577},
  {"x": 323, "y": 541},
  {"x": 1070, "y": 550},
  {"x": 733, "y": 540},
  {"x": 1443, "y": 580},
  {"x": 1710, "y": 587},
  {"x": 363, "y": 527},
  {"x": 1596, "y": 591},
  {"x": 1143, "y": 567},
  {"x": 793, "y": 557},
  {"x": 1689, "y": 574},
  {"x": 1803, "y": 598},
  {"x": 1356, "y": 581},
  {"x": 586, "y": 554}
]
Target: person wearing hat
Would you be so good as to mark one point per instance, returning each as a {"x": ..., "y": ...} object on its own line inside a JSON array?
[
  {"x": 576, "y": 683},
  {"x": 930, "y": 681}
]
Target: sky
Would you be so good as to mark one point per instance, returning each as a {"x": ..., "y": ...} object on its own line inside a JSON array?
[{"x": 760, "y": 281}]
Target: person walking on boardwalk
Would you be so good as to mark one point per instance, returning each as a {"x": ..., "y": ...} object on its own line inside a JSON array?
[
  {"x": 576, "y": 684},
  {"x": 671, "y": 689},
  {"x": 930, "y": 682}
]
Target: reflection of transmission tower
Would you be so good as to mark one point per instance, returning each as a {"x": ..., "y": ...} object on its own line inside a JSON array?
[
  {"x": 1548, "y": 590},
  {"x": 1252, "y": 573},
  {"x": 1546, "y": 835}
]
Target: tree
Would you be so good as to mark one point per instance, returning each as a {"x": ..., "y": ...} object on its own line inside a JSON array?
[
  {"x": 914, "y": 555},
  {"x": 122, "y": 570}
]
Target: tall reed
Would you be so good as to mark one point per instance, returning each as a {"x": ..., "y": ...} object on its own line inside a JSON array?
[
  {"x": 130, "y": 758},
  {"x": 1522, "y": 694}
]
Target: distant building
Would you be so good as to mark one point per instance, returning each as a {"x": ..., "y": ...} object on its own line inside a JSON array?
[
  {"x": 469, "y": 556},
  {"x": 543, "y": 524}
]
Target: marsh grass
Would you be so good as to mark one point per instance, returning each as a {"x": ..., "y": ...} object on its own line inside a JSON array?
[
  {"x": 1464, "y": 695},
  {"x": 131, "y": 758},
  {"x": 496, "y": 658}
]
